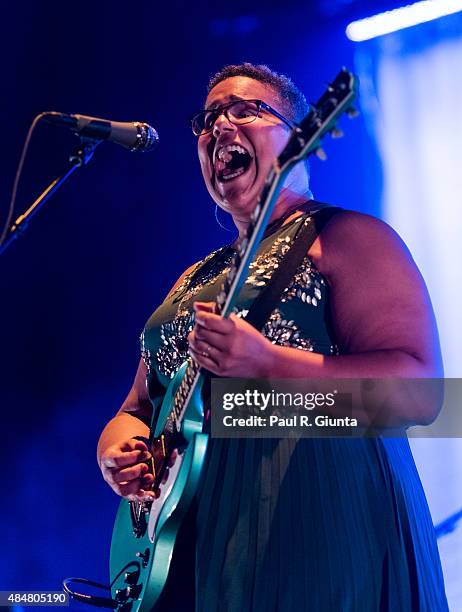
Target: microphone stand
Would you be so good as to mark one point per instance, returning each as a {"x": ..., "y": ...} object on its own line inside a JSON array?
[{"x": 80, "y": 157}]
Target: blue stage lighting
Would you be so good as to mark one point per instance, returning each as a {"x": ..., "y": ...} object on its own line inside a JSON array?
[{"x": 401, "y": 18}]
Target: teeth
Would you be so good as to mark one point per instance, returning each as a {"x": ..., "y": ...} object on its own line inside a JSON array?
[
  {"x": 224, "y": 154},
  {"x": 238, "y": 172}
]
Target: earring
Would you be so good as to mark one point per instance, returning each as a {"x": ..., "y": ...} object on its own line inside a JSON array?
[{"x": 227, "y": 229}]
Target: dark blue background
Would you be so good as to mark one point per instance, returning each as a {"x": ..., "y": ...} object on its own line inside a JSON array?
[{"x": 78, "y": 288}]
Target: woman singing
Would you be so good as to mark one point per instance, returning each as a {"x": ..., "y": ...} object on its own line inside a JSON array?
[{"x": 278, "y": 525}]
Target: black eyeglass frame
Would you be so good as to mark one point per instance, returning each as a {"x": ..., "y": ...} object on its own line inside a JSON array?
[{"x": 261, "y": 105}]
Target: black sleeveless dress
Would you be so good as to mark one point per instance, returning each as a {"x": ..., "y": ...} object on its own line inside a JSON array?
[{"x": 314, "y": 525}]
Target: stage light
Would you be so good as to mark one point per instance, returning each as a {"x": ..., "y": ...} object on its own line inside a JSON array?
[{"x": 401, "y": 18}]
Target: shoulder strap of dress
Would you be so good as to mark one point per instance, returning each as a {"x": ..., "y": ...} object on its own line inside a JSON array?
[{"x": 266, "y": 301}]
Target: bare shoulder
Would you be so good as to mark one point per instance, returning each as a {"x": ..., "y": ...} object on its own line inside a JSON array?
[{"x": 352, "y": 238}]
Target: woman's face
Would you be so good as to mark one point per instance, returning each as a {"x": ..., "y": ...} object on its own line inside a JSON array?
[{"x": 236, "y": 191}]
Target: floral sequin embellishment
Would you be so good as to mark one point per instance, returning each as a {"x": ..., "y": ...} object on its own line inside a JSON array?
[
  {"x": 145, "y": 353},
  {"x": 285, "y": 333},
  {"x": 263, "y": 267},
  {"x": 174, "y": 348},
  {"x": 307, "y": 285}
]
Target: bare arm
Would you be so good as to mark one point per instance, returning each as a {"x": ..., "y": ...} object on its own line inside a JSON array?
[
  {"x": 132, "y": 418},
  {"x": 120, "y": 457},
  {"x": 382, "y": 314}
]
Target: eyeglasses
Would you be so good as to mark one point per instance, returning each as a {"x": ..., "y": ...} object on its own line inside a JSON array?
[{"x": 238, "y": 112}]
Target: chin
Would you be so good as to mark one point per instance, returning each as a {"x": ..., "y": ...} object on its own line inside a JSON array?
[
  {"x": 235, "y": 203},
  {"x": 235, "y": 197}
]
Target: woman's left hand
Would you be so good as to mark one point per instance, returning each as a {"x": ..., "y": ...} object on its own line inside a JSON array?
[{"x": 229, "y": 347}]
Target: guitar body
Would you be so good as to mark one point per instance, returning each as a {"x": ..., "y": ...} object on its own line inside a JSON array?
[{"x": 141, "y": 564}]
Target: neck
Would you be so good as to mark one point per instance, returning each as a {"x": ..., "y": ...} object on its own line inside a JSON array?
[{"x": 288, "y": 200}]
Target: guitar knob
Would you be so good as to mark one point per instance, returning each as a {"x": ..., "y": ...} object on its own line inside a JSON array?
[
  {"x": 131, "y": 577},
  {"x": 130, "y": 592},
  {"x": 134, "y": 591},
  {"x": 144, "y": 556},
  {"x": 336, "y": 133},
  {"x": 121, "y": 595},
  {"x": 352, "y": 112}
]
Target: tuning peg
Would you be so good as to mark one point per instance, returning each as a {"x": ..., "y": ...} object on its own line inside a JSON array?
[
  {"x": 320, "y": 154},
  {"x": 352, "y": 112},
  {"x": 336, "y": 133}
]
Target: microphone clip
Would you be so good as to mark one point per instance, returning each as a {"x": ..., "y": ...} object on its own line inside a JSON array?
[{"x": 83, "y": 151}]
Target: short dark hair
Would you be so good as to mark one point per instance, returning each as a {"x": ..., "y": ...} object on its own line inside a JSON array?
[{"x": 290, "y": 97}]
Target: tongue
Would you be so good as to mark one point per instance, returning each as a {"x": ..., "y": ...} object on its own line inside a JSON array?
[
  {"x": 228, "y": 171},
  {"x": 222, "y": 170}
]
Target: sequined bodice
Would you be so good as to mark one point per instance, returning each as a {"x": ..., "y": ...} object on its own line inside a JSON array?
[{"x": 300, "y": 320}]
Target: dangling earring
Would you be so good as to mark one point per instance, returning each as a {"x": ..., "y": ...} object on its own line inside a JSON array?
[{"x": 227, "y": 229}]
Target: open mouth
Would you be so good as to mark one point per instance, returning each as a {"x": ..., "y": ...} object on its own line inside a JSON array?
[{"x": 231, "y": 161}]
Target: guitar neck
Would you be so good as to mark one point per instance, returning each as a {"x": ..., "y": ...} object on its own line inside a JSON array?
[{"x": 231, "y": 286}]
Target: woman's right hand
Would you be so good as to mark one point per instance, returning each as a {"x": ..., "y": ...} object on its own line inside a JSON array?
[{"x": 124, "y": 469}]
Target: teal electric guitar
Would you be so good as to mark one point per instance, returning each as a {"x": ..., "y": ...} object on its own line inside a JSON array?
[{"x": 144, "y": 533}]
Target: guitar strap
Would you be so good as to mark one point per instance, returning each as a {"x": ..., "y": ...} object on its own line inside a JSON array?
[{"x": 265, "y": 303}]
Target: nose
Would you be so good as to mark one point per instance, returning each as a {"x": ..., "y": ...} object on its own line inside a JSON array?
[{"x": 222, "y": 124}]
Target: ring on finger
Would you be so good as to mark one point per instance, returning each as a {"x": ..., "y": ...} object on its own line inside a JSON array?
[{"x": 209, "y": 351}]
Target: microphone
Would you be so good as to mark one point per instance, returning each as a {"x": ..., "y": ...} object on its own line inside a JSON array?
[{"x": 135, "y": 136}]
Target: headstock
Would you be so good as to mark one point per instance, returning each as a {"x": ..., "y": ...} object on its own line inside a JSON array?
[{"x": 322, "y": 118}]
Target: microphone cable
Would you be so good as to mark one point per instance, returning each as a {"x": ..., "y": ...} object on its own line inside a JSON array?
[{"x": 17, "y": 177}]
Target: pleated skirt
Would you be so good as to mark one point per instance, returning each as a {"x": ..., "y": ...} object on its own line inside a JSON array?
[{"x": 311, "y": 525}]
